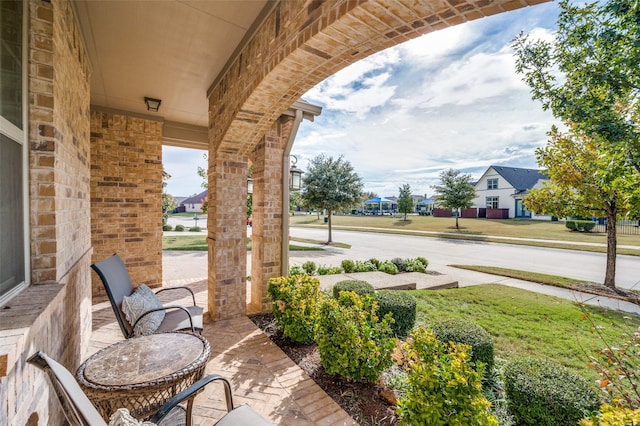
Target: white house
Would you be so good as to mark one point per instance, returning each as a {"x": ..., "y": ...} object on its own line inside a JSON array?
[
  {"x": 503, "y": 187},
  {"x": 193, "y": 204}
]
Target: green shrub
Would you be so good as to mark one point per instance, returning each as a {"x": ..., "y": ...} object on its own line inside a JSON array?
[
  {"x": 443, "y": 389},
  {"x": 358, "y": 286},
  {"x": 580, "y": 225},
  {"x": 424, "y": 261},
  {"x": 195, "y": 229},
  {"x": 461, "y": 331},
  {"x": 329, "y": 270},
  {"x": 541, "y": 392},
  {"x": 414, "y": 265},
  {"x": 167, "y": 227},
  {"x": 179, "y": 228},
  {"x": 309, "y": 267},
  {"x": 365, "y": 266},
  {"x": 402, "y": 306},
  {"x": 613, "y": 416},
  {"x": 295, "y": 305},
  {"x": 400, "y": 264},
  {"x": 296, "y": 270},
  {"x": 352, "y": 341},
  {"x": 388, "y": 268},
  {"x": 347, "y": 265},
  {"x": 375, "y": 262}
]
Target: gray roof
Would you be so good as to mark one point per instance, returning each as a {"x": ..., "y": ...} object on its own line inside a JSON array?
[
  {"x": 520, "y": 179},
  {"x": 195, "y": 199}
]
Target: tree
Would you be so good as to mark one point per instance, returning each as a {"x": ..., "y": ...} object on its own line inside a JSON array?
[
  {"x": 587, "y": 177},
  {"x": 589, "y": 77},
  {"x": 596, "y": 54},
  {"x": 405, "y": 200},
  {"x": 455, "y": 191},
  {"x": 168, "y": 202},
  {"x": 331, "y": 185},
  {"x": 202, "y": 172}
]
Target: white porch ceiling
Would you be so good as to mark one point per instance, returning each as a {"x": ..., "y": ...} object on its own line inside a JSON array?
[{"x": 166, "y": 49}]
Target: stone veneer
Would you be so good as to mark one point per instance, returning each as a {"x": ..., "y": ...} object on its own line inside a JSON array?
[
  {"x": 54, "y": 314},
  {"x": 126, "y": 195}
]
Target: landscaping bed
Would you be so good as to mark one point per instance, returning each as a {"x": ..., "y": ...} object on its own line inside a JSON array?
[{"x": 362, "y": 401}]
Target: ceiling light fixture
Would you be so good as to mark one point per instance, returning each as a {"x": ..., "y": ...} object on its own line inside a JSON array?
[{"x": 152, "y": 104}]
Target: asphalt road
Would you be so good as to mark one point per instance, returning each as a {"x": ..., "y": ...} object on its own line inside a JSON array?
[{"x": 576, "y": 264}]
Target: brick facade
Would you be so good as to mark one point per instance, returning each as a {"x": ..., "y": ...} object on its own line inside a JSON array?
[
  {"x": 266, "y": 233},
  {"x": 54, "y": 314},
  {"x": 126, "y": 195}
]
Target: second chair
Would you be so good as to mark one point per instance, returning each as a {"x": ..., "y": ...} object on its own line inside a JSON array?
[{"x": 146, "y": 313}]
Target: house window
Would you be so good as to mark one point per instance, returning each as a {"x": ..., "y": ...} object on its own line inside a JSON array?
[
  {"x": 492, "y": 183},
  {"x": 493, "y": 202},
  {"x": 13, "y": 246}
]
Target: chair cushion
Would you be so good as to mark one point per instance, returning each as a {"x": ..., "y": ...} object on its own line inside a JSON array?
[
  {"x": 123, "y": 418},
  {"x": 143, "y": 300},
  {"x": 243, "y": 415}
]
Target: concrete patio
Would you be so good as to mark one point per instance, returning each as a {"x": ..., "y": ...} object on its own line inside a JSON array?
[{"x": 260, "y": 373}]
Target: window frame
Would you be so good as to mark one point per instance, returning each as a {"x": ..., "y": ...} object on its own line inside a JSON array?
[
  {"x": 493, "y": 198},
  {"x": 19, "y": 136},
  {"x": 492, "y": 183}
]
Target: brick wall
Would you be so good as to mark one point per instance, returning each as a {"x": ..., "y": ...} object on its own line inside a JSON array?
[
  {"x": 126, "y": 195},
  {"x": 54, "y": 314},
  {"x": 266, "y": 233}
]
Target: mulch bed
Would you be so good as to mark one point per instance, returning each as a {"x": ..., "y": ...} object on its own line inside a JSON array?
[{"x": 362, "y": 401}]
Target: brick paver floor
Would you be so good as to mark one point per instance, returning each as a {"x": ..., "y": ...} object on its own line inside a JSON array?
[{"x": 261, "y": 374}]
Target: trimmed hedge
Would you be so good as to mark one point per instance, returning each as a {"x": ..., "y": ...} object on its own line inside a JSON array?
[
  {"x": 402, "y": 306},
  {"x": 541, "y": 393},
  {"x": 580, "y": 225},
  {"x": 460, "y": 331},
  {"x": 357, "y": 286},
  {"x": 295, "y": 305}
]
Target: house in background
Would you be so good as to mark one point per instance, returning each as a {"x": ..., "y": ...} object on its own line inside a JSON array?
[
  {"x": 193, "y": 204},
  {"x": 503, "y": 187}
]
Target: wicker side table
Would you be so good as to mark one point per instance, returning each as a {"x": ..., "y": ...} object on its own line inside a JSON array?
[{"x": 142, "y": 373}]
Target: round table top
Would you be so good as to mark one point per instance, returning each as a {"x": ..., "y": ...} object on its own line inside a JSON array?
[{"x": 143, "y": 359}]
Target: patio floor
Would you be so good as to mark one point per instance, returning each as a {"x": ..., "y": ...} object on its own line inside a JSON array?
[{"x": 260, "y": 373}]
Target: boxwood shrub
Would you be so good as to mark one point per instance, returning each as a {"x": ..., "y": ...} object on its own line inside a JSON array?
[
  {"x": 348, "y": 265},
  {"x": 402, "y": 306},
  {"x": 580, "y": 225},
  {"x": 167, "y": 227},
  {"x": 469, "y": 333},
  {"x": 358, "y": 286},
  {"x": 179, "y": 228},
  {"x": 352, "y": 341},
  {"x": 541, "y": 392},
  {"x": 295, "y": 305},
  {"x": 388, "y": 267}
]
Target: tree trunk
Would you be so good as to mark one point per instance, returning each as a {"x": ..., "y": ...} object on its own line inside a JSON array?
[
  {"x": 405, "y": 216},
  {"x": 329, "y": 222},
  {"x": 457, "y": 216},
  {"x": 610, "y": 274}
]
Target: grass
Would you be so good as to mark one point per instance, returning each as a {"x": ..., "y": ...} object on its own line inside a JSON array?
[
  {"x": 524, "y": 323},
  {"x": 555, "y": 233},
  {"x": 199, "y": 243},
  {"x": 534, "y": 277}
]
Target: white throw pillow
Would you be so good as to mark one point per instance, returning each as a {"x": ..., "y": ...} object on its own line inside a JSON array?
[
  {"x": 143, "y": 300},
  {"x": 123, "y": 418}
]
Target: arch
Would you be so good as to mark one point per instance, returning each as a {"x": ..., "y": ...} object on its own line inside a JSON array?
[{"x": 298, "y": 45}]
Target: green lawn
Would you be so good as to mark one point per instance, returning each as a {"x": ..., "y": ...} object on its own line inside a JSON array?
[
  {"x": 482, "y": 228},
  {"x": 199, "y": 243},
  {"x": 524, "y": 323}
]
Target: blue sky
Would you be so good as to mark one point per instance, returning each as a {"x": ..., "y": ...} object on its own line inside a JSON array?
[{"x": 450, "y": 99}]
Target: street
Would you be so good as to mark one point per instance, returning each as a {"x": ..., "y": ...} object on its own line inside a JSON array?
[{"x": 576, "y": 264}]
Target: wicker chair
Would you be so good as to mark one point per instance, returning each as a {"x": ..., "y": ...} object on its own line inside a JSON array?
[
  {"x": 79, "y": 411},
  {"x": 117, "y": 283}
]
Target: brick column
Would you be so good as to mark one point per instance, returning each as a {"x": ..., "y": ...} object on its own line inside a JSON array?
[
  {"x": 266, "y": 235},
  {"x": 227, "y": 234},
  {"x": 126, "y": 194}
]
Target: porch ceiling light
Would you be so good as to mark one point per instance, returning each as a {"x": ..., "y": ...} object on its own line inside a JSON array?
[
  {"x": 152, "y": 104},
  {"x": 249, "y": 185}
]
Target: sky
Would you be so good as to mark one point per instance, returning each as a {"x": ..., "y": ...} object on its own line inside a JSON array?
[{"x": 449, "y": 99}]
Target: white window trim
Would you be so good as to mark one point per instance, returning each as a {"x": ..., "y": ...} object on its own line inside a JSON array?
[{"x": 18, "y": 135}]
